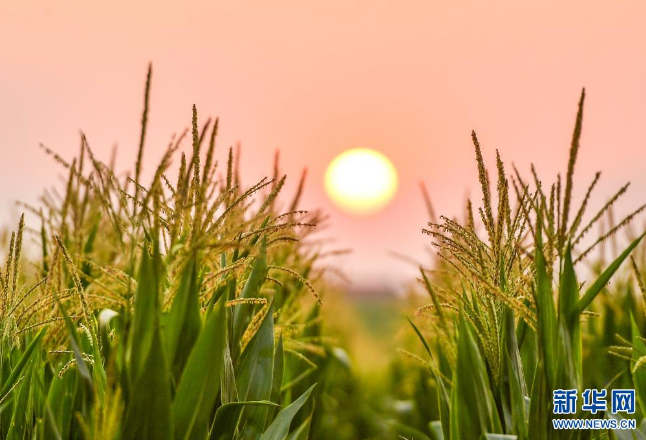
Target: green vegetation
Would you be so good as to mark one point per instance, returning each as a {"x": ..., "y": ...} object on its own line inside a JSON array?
[
  {"x": 175, "y": 310},
  {"x": 191, "y": 308},
  {"x": 510, "y": 321}
]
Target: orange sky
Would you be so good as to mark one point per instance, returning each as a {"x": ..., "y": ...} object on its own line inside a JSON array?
[{"x": 410, "y": 79}]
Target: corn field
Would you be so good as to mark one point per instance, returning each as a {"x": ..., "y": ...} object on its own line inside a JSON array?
[{"x": 191, "y": 306}]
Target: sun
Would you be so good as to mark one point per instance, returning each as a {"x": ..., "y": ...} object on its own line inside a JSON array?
[{"x": 361, "y": 181}]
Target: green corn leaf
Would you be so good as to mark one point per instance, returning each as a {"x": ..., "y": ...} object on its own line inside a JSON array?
[
  {"x": 50, "y": 424},
  {"x": 540, "y": 410},
  {"x": 518, "y": 401},
  {"x": 298, "y": 379},
  {"x": 604, "y": 278},
  {"x": 547, "y": 319},
  {"x": 435, "y": 427},
  {"x": 199, "y": 386},
  {"x": 512, "y": 379},
  {"x": 184, "y": 322},
  {"x": 21, "y": 402},
  {"x": 145, "y": 311},
  {"x": 148, "y": 414},
  {"x": 303, "y": 431},
  {"x": 547, "y": 352},
  {"x": 277, "y": 378},
  {"x": 569, "y": 362},
  {"x": 473, "y": 409},
  {"x": 255, "y": 374},
  {"x": 227, "y": 417},
  {"x": 60, "y": 400},
  {"x": 20, "y": 366},
  {"x": 279, "y": 429},
  {"x": 243, "y": 315},
  {"x": 443, "y": 396},
  {"x": 99, "y": 377},
  {"x": 279, "y": 366},
  {"x": 78, "y": 354},
  {"x": 568, "y": 288}
]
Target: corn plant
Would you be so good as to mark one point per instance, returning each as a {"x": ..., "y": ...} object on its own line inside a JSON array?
[
  {"x": 174, "y": 310},
  {"x": 506, "y": 311}
]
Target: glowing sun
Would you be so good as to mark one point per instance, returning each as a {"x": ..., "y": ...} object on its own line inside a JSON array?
[{"x": 361, "y": 181}]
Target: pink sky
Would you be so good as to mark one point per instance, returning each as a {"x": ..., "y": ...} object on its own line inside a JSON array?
[{"x": 410, "y": 79}]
